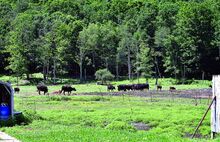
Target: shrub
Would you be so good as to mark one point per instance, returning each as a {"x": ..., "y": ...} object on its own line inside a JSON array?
[{"x": 104, "y": 75}]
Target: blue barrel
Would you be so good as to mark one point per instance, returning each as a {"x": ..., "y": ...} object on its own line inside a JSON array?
[{"x": 4, "y": 111}]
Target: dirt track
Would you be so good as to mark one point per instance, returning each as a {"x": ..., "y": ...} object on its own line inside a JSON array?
[{"x": 201, "y": 93}]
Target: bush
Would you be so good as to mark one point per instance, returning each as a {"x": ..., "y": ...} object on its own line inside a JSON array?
[{"x": 104, "y": 75}]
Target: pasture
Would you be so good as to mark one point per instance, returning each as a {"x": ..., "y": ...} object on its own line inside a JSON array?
[
  {"x": 80, "y": 117},
  {"x": 108, "y": 118}
]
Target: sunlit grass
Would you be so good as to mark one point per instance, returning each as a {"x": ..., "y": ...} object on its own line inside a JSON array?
[{"x": 107, "y": 118}]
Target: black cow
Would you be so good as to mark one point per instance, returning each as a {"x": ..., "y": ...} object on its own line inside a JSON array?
[
  {"x": 43, "y": 88},
  {"x": 159, "y": 87},
  {"x": 210, "y": 86},
  {"x": 68, "y": 89},
  {"x": 172, "y": 88},
  {"x": 110, "y": 87},
  {"x": 130, "y": 87},
  {"x": 140, "y": 86},
  {"x": 125, "y": 87},
  {"x": 17, "y": 90}
]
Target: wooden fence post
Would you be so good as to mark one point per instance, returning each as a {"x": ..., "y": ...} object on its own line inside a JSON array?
[{"x": 215, "y": 109}]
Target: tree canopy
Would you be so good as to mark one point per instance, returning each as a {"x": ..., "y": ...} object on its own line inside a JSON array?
[{"x": 152, "y": 38}]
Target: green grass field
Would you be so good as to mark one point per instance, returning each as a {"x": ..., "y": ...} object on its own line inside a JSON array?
[{"x": 108, "y": 119}]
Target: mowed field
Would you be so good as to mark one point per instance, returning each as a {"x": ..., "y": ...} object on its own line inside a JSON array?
[{"x": 80, "y": 118}]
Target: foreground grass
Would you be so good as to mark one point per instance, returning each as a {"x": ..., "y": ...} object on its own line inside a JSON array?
[{"x": 97, "y": 118}]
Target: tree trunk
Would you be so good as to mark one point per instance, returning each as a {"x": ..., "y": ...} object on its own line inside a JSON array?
[
  {"x": 129, "y": 64},
  {"x": 158, "y": 69},
  {"x": 106, "y": 63},
  {"x": 81, "y": 68},
  {"x": 117, "y": 67},
  {"x": 85, "y": 74},
  {"x": 156, "y": 76},
  {"x": 54, "y": 71},
  {"x": 48, "y": 69},
  {"x": 28, "y": 76},
  {"x": 203, "y": 75},
  {"x": 45, "y": 71}
]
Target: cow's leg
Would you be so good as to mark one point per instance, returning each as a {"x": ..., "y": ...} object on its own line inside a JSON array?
[{"x": 39, "y": 92}]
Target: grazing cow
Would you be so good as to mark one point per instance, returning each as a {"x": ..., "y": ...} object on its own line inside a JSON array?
[
  {"x": 17, "y": 90},
  {"x": 68, "y": 89},
  {"x": 140, "y": 86},
  {"x": 172, "y": 88},
  {"x": 159, "y": 87},
  {"x": 130, "y": 87},
  {"x": 121, "y": 87},
  {"x": 110, "y": 87},
  {"x": 42, "y": 87},
  {"x": 210, "y": 86},
  {"x": 125, "y": 87}
]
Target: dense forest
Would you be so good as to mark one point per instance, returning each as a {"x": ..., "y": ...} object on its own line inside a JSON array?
[{"x": 150, "y": 38}]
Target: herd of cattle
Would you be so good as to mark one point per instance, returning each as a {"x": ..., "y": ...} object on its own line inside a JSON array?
[
  {"x": 43, "y": 88},
  {"x": 68, "y": 88}
]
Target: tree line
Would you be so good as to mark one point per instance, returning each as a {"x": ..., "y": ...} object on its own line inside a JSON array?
[{"x": 133, "y": 38}]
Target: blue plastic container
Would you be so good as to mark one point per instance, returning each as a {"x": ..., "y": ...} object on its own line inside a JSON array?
[{"x": 4, "y": 112}]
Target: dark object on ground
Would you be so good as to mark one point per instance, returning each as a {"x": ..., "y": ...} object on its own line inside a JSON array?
[
  {"x": 67, "y": 88},
  {"x": 172, "y": 88},
  {"x": 121, "y": 88},
  {"x": 140, "y": 86},
  {"x": 210, "y": 86},
  {"x": 17, "y": 90},
  {"x": 110, "y": 87},
  {"x": 159, "y": 87},
  {"x": 43, "y": 88},
  {"x": 125, "y": 87},
  {"x": 56, "y": 92},
  {"x": 133, "y": 87}
]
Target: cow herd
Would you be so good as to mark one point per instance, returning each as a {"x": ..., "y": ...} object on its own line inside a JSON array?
[
  {"x": 134, "y": 87},
  {"x": 43, "y": 88},
  {"x": 68, "y": 88}
]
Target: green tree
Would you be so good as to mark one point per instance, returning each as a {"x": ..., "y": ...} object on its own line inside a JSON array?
[
  {"x": 146, "y": 61},
  {"x": 104, "y": 75},
  {"x": 21, "y": 38}
]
